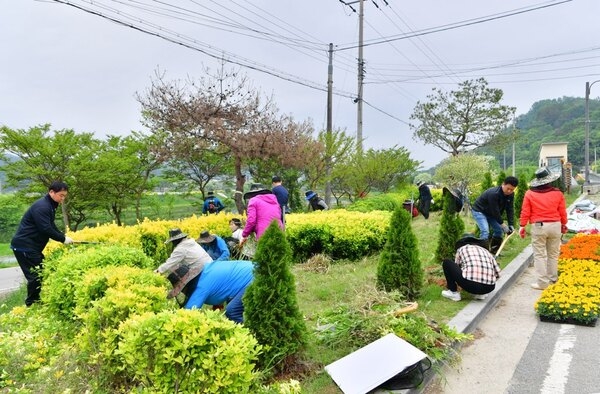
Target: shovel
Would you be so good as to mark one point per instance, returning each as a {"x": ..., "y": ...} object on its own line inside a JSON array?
[{"x": 502, "y": 244}]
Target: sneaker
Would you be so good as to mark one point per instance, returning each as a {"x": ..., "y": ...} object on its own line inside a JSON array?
[
  {"x": 479, "y": 296},
  {"x": 537, "y": 286},
  {"x": 451, "y": 295}
]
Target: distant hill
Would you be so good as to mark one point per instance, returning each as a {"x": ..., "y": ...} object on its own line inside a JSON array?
[{"x": 554, "y": 120}]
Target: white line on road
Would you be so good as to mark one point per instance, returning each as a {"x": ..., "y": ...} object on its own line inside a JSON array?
[{"x": 558, "y": 370}]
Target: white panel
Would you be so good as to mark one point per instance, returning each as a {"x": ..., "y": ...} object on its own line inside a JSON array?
[{"x": 370, "y": 366}]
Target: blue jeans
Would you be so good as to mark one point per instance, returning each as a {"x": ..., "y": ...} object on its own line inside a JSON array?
[
  {"x": 484, "y": 223},
  {"x": 235, "y": 308}
]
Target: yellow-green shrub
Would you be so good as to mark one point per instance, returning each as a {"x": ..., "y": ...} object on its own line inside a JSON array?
[
  {"x": 63, "y": 275},
  {"x": 108, "y": 296},
  {"x": 187, "y": 351}
]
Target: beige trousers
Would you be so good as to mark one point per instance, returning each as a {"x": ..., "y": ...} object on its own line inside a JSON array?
[{"x": 545, "y": 241}]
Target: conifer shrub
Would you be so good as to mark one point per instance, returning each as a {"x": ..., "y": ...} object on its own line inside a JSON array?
[
  {"x": 487, "y": 182},
  {"x": 186, "y": 351},
  {"x": 520, "y": 195},
  {"x": 451, "y": 229},
  {"x": 399, "y": 266},
  {"x": 63, "y": 274},
  {"x": 271, "y": 310}
]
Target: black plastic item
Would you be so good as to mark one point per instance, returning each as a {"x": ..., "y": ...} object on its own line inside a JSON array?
[{"x": 410, "y": 378}]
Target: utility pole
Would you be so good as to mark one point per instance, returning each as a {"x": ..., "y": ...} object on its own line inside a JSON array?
[
  {"x": 361, "y": 71},
  {"x": 361, "y": 77},
  {"x": 329, "y": 131},
  {"x": 587, "y": 133}
]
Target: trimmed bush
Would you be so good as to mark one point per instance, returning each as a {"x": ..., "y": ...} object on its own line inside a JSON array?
[
  {"x": 187, "y": 351},
  {"x": 63, "y": 274}
]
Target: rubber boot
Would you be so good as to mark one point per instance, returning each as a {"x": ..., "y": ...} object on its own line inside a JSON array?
[{"x": 495, "y": 245}]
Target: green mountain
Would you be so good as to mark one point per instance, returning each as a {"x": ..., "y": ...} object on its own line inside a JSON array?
[{"x": 553, "y": 120}]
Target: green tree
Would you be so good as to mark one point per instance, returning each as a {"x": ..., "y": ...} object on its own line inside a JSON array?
[
  {"x": 11, "y": 211},
  {"x": 271, "y": 308},
  {"x": 451, "y": 229},
  {"x": 487, "y": 182},
  {"x": 462, "y": 119},
  {"x": 381, "y": 169},
  {"x": 500, "y": 179},
  {"x": 462, "y": 172},
  {"x": 399, "y": 266}
]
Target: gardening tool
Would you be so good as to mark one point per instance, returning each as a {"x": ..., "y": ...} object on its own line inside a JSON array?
[
  {"x": 502, "y": 244},
  {"x": 86, "y": 242}
]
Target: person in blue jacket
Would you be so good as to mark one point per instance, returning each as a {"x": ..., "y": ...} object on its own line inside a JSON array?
[
  {"x": 223, "y": 282},
  {"x": 212, "y": 204},
  {"x": 215, "y": 246}
]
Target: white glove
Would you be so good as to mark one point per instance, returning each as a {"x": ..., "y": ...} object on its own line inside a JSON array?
[
  {"x": 68, "y": 240},
  {"x": 432, "y": 201}
]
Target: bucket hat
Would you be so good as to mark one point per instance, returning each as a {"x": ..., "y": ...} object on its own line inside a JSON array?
[
  {"x": 205, "y": 237},
  {"x": 175, "y": 234},
  {"x": 310, "y": 194},
  {"x": 543, "y": 176},
  {"x": 457, "y": 198},
  {"x": 181, "y": 275},
  {"x": 257, "y": 192}
]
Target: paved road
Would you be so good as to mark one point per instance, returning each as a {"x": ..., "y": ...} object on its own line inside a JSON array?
[
  {"x": 10, "y": 279},
  {"x": 515, "y": 353}
]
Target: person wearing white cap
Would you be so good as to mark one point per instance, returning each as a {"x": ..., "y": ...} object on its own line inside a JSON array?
[{"x": 545, "y": 209}]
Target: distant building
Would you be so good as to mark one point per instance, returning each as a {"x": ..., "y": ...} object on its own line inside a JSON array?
[{"x": 553, "y": 155}]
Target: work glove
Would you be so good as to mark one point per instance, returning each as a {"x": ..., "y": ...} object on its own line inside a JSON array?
[
  {"x": 504, "y": 228},
  {"x": 522, "y": 232},
  {"x": 511, "y": 229},
  {"x": 241, "y": 243},
  {"x": 564, "y": 229},
  {"x": 432, "y": 201},
  {"x": 68, "y": 240}
]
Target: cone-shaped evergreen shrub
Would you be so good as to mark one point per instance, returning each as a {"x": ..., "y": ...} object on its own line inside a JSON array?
[
  {"x": 399, "y": 265},
  {"x": 451, "y": 229},
  {"x": 271, "y": 309},
  {"x": 520, "y": 196},
  {"x": 487, "y": 182}
]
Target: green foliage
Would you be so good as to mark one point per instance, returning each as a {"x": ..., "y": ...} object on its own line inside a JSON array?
[
  {"x": 399, "y": 265},
  {"x": 378, "y": 202},
  {"x": 108, "y": 296},
  {"x": 487, "y": 182},
  {"x": 451, "y": 229},
  {"x": 500, "y": 179},
  {"x": 309, "y": 241},
  {"x": 520, "y": 195},
  {"x": 346, "y": 326},
  {"x": 462, "y": 171},
  {"x": 11, "y": 211},
  {"x": 271, "y": 309},
  {"x": 187, "y": 351},
  {"x": 64, "y": 272},
  {"x": 462, "y": 119}
]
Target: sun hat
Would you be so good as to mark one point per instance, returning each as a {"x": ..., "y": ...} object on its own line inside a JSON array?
[
  {"x": 310, "y": 194},
  {"x": 181, "y": 275},
  {"x": 205, "y": 237},
  {"x": 175, "y": 234},
  {"x": 457, "y": 197},
  {"x": 256, "y": 192},
  {"x": 543, "y": 176},
  {"x": 419, "y": 183}
]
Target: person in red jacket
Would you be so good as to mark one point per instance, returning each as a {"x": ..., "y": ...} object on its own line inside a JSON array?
[{"x": 545, "y": 209}]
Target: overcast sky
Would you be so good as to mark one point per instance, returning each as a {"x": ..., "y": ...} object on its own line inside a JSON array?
[{"x": 77, "y": 70}]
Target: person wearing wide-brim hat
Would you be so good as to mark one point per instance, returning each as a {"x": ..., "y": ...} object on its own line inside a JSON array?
[
  {"x": 424, "y": 200},
  {"x": 315, "y": 202},
  {"x": 544, "y": 207},
  {"x": 185, "y": 263},
  {"x": 457, "y": 199},
  {"x": 262, "y": 209},
  {"x": 215, "y": 246}
]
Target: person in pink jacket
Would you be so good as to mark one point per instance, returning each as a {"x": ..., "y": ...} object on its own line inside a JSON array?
[{"x": 262, "y": 209}]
